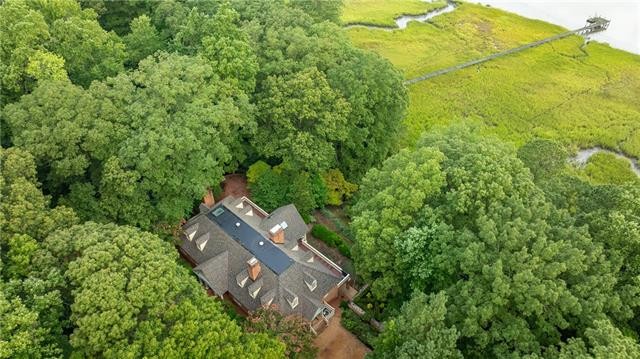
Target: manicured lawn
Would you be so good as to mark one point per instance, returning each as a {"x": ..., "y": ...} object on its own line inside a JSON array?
[
  {"x": 377, "y": 12},
  {"x": 579, "y": 95}
]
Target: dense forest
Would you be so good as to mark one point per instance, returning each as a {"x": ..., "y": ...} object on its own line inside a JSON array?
[{"x": 117, "y": 117}]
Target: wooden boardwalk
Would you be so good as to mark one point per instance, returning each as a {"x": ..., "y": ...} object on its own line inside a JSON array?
[{"x": 594, "y": 24}]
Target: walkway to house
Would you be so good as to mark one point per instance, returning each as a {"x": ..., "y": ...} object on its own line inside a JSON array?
[
  {"x": 235, "y": 185},
  {"x": 335, "y": 342}
]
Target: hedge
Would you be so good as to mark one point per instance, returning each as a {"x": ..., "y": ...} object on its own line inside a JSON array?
[
  {"x": 351, "y": 322},
  {"x": 331, "y": 239}
]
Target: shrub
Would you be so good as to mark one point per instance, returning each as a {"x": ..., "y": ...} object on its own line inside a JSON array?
[
  {"x": 331, "y": 238},
  {"x": 340, "y": 225},
  {"x": 351, "y": 322},
  {"x": 326, "y": 235},
  {"x": 344, "y": 249}
]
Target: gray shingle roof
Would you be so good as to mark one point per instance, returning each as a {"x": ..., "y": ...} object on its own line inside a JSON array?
[
  {"x": 214, "y": 272},
  {"x": 223, "y": 262},
  {"x": 296, "y": 228}
]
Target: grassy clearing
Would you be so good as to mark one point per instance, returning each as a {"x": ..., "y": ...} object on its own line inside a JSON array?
[
  {"x": 383, "y": 13},
  {"x": 582, "y": 96},
  {"x": 607, "y": 168}
]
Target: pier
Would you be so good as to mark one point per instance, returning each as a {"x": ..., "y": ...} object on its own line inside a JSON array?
[{"x": 594, "y": 24}]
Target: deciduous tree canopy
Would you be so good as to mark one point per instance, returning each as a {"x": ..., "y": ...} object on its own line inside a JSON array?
[{"x": 519, "y": 273}]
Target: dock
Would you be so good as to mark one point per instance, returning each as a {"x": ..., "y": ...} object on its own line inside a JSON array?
[{"x": 594, "y": 24}]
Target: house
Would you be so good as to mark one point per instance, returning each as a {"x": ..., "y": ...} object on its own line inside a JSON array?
[{"x": 258, "y": 259}]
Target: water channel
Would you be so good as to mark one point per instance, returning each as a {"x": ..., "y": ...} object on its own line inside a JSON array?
[{"x": 582, "y": 157}]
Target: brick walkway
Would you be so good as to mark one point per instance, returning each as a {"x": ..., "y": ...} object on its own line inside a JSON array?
[{"x": 335, "y": 342}]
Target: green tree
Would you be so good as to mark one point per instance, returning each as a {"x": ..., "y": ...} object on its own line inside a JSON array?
[
  {"x": 29, "y": 312},
  {"x": 22, "y": 32},
  {"x": 46, "y": 66},
  {"x": 378, "y": 99},
  {"x": 300, "y": 118},
  {"x": 130, "y": 298},
  {"x": 419, "y": 331},
  {"x": 24, "y": 210},
  {"x": 229, "y": 51},
  {"x": 545, "y": 158},
  {"x": 270, "y": 190},
  {"x": 52, "y": 123},
  {"x": 148, "y": 142},
  {"x": 90, "y": 53},
  {"x": 603, "y": 340},
  {"x": 320, "y": 10},
  {"x": 518, "y": 272},
  {"x": 20, "y": 334},
  {"x": 256, "y": 170},
  {"x": 142, "y": 41},
  {"x": 388, "y": 199},
  {"x": 338, "y": 188}
]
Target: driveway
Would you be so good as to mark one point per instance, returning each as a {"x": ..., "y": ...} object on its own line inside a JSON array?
[{"x": 335, "y": 342}]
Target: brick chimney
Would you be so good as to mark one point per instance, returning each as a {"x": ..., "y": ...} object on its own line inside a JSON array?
[
  {"x": 253, "y": 268},
  {"x": 276, "y": 234},
  {"x": 208, "y": 199}
]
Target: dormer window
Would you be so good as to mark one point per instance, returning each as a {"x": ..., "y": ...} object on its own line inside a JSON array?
[
  {"x": 312, "y": 285},
  {"x": 310, "y": 281},
  {"x": 294, "y": 302},
  {"x": 291, "y": 298},
  {"x": 191, "y": 231},
  {"x": 253, "y": 292},
  {"x": 249, "y": 212},
  {"x": 254, "y": 288},
  {"x": 242, "y": 278},
  {"x": 201, "y": 241}
]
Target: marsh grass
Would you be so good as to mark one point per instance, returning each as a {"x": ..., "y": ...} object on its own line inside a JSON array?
[
  {"x": 581, "y": 95},
  {"x": 607, "y": 168},
  {"x": 383, "y": 13}
]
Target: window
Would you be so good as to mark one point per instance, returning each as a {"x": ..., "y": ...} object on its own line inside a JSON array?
[
  {"x": 241, "y": 281},
  {"x": 312, "y": 284},
  {"x": 255, "y": 292},
  {"x": 294, "y": 302},
  {"x": 201, "y": 241}
]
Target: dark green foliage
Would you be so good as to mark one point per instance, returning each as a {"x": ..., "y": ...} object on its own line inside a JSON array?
[
  {"x": 278, "y": 186},
  {"x": 363, "y": 330},
  {"x": 117, "y": 15},
  {"x": 419, "y": 331},
  {"x": 544, "y": 158},
  {"x": 342, "y": 227},
  {"x": 142, "y": 41},
  {"x": 331, "y": 239},
  {"x": 129, "y": 298},
  {"x": 520, "y": 275},
  {"x": 181, "y": 124},
  {"x": 270, "y": 190},
  {"x": 320, "y": 10},
  {"x": 326, "y": 235}
]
